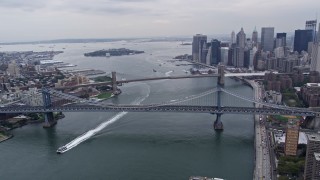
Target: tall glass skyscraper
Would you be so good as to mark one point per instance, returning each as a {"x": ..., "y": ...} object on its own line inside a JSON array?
[
  {"x": 215, "y": 46},
  {"x": 312, "y": 25},
  {"x": 281, "y": 40},
  {"x": 197, "y": 46},
  {"x": 301, "y": 40},
  {"x": 267, "y": 38}
]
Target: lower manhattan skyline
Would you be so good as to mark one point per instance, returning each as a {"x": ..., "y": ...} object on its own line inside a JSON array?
[{"x": 45, "y": 20}]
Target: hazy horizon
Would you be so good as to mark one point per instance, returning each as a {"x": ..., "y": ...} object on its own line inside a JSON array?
[{"x": 38, "y": 20}]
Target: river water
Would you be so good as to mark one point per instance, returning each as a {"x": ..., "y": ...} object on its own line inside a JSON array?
[{"x": 140, "y": 146}]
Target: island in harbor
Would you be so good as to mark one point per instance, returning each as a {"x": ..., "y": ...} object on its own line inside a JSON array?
[{"x": 112, "y": 52}]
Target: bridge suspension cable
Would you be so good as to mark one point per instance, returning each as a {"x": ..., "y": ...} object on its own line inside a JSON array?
[
  {"x": 185, "y": 99},
  {"x": 89, "y": 102}
]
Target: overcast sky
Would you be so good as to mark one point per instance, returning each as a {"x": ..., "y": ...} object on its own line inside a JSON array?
[{"x": 27, "y": 20}]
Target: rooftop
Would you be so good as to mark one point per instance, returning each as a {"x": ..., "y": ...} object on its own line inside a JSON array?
[
  {"x": 313, "y": 137},
  {"x": 302, "y": 138},
  {"x": 317, "y": 156},
  {"x": 313, "y": 84}
]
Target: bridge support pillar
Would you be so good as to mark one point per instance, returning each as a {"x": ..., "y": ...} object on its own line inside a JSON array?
[
  {"x": 114, "y": 83},
  {"x": 48, "y": 116},
  {"x": 218, "y": 124},
  {"x": 221, "y": 75},
  {"x": 49, "y": 120}
]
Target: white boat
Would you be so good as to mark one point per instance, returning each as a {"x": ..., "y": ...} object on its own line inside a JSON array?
[{"x": 62, "y": 149}]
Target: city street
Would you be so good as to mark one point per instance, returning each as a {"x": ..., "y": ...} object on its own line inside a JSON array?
[{"x": 262, "y": 168}]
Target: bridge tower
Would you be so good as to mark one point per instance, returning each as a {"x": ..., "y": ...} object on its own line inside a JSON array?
[
  {"x": 221, "y": 75},
  {"x": 218, "y": 124},
  {"x": 114, "y": 83},
  {"x": 48, "y": 116}
]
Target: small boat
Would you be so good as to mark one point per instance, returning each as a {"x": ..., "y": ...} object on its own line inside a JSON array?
[
  {"x": 154, "y": 70},
  {"x": 62, "y": 149}
]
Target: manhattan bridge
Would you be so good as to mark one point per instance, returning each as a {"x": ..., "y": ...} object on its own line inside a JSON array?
[{"x": 206, "y": 102}]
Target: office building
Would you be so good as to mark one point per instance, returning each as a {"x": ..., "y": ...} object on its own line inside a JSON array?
[
  {"x": 253, "y": 52},
  {"x": 224, "y": 55},
  {"x": 239, "y": 57},
  {"x": 312, "y": 25},
  {"x": 198, "y": 43},
  {"x": 292, "y": 138},
  {"x": 281, "y": 40},
  {"x": 315, "y": 57},
  {"x": 267, "y": 38},
  {"x": 215, "y": 52},
  {"x": 279, "y": 52},
  {"x": 301, "y": 40},
  {"x": 241, "y": 39},
  {"x": 316, "y": 167},
  {"x": 313, "y": 146},
  {"x": 255, "y": 37},
  {"x": 318, "y": 38},
  {"x": 233, "y": 37},
  {"x": 204, "y": 53}
]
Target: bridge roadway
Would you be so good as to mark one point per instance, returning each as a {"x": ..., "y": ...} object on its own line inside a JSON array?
[
  {"x": 137, "y": 80},
  {"x": 156, "y": 108}
]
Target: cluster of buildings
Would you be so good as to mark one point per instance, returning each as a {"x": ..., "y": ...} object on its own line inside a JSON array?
[
  {"x": 23, "y": 74},
  {"x": 270, "y": 52},
  {"x": 312, "y": 162},
  {"x": 290, "y": 62},
  {"x": 289, "y": 142}
]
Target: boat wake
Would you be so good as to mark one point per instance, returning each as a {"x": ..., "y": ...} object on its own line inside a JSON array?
[
  {"x": 168, "y": 73},
  {"x": 85, "y": 136}
]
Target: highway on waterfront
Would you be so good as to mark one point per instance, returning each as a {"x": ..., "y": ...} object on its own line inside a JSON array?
[{"x": 262, "y": 158}]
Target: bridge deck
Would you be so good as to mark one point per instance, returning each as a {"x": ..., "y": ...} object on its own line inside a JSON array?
[
  {"x": 164, "y": 108},
  {"x": 138, "y": 80}
]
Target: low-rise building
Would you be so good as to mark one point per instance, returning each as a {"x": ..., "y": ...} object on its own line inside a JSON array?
[{"x": 32, "y": 97}]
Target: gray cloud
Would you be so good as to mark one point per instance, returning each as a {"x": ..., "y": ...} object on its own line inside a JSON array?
[
  {"x": 115, "y": 18},
  {"x": 23, "y": 4}
]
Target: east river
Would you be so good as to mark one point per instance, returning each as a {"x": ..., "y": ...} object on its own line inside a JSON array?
[{"x": 140, "y": 146}]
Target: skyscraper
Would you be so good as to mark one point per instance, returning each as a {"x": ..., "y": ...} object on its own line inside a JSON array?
[
  {"x": 313, "y": 146},
  {"x": 239, "y": 57},
  {"x": 215, "y": 47},
  {"x": 253, "y": 52},
  {"x": 224, "y": 55},
  {"x": 255, "y": 37},
  {"x": 301, "y": 40},
  {"x": 241, "y": 39},
  {"x": 315, "y": 57},
  {"x": 318, "y": 37},
  {"x": 281, "y": 40},
  {"x": 197, "y": 46},
  {"x": 267, "y": 38},
  {"x": 233, "y": 37},
  {"x": 312, "y": 25}
]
